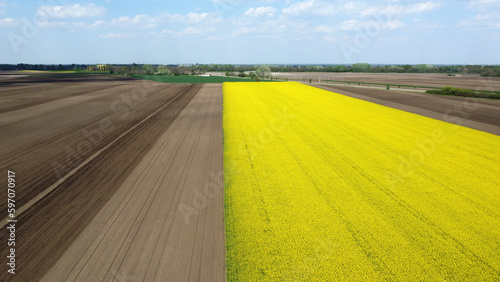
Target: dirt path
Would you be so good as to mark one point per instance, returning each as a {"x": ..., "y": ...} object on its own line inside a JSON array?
[
  {"x": 151, "y": 230},
  {"x": 480, "y": 114}
]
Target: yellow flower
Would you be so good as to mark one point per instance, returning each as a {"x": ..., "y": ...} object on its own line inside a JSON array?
[{"x": 320, "y": 187}]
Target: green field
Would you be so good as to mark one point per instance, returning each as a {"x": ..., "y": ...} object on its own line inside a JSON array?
[{"x": 191, "y": 79}]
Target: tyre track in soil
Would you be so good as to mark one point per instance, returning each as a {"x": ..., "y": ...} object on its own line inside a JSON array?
[
  {"x": 486, "y": 117},
  {"x": 44, "y": 231},
  {"x": 141, "y": 233}
]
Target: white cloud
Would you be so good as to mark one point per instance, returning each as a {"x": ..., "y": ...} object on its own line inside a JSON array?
[
  {"x": 120, "y": 20},
  {"x": 421, "y": 7},
  {"x": 484, "y": 5},
  {"x": 112, "y": 35},
  {"x": 395, "y": 24},
  {"x": 242, "y": 31},
  {"x": 330, "y": 38},
  {"x": 214, "y": 37},
  {"x": 9, "y": 22},
  {"x": 269, "y": 29},
  {"x": 166, "y": 32},
  {"x": 428, "y": 23},
  {"x": 352, "y": 25},
  {"x": 481, "y": 21},
  {"x": 190, "y": 30},
  {"x": 311, "y": 7},
  {"x": 65, "y": 24},
  {"x": 147, "y": 22},
  {"x": 392, "y": 40},
  {"x": 98, "y": 23},
  {"x": 323, "y": 8},
  {"x": 325, "y": 29},
  {"x": 4, "y": 4},
  {"x": 141, "y": 21},
  {"x": 144, "y": 21},
  {"x": 72, "y": 11},
  {"x": 196, "y": 18},
  {"x": 395, "y": 10},
  {"x": 261, "y": 11}
]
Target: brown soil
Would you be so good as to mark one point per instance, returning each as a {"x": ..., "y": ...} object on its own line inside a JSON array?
[{"x": 48, "y": 133}]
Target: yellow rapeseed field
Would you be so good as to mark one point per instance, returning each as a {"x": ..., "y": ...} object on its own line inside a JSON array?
[{"x": 324, "y": 187}]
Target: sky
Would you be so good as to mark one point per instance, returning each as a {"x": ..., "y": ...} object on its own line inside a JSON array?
[{"x": 250, "y": 32}]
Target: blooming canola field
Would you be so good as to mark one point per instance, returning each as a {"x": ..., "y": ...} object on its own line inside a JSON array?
[{"x": 320, "y": 187}]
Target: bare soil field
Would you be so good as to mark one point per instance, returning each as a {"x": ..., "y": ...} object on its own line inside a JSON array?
[
  {"x": 471, "y": 81},
  {"x": 51, "y": 78},
  {"x": 480, "y": 114},
  {"x": 112, "y": 161}
]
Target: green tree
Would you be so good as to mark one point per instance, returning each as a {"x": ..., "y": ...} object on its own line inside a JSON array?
[
  {"x": 361, "y": 67},
  {"x": 263, "y": 71},
  {"x": 162, "y": 70},
  {"x": 395, "y": 68},
  {"x": 423, "y": 68},
  {"x": 148, "y": 69},
  {"x": 408, "y": 68}
]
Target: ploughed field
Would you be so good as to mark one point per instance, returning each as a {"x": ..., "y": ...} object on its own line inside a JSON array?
[
  {"x": 321, "y": 186},
  {"x": 102, "y": 168},
  {"x": 470, "y": 81}
]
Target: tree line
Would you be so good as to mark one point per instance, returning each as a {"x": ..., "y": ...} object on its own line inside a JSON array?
[{"x": 485, "y": 70}]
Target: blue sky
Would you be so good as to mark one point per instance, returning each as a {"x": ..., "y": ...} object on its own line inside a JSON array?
[{"x": 253, "y": 32}]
